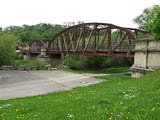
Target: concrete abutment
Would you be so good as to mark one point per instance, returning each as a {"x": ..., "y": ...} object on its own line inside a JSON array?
[{"x": 146, "y": 57}]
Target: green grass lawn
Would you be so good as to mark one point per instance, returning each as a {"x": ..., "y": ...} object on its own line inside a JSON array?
[
  {"x": 119, "y": 98},
  {"x": 104, "y": 71}
]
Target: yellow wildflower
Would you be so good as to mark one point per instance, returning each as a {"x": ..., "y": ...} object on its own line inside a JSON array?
[
  {"x": 118, "y": 115},
  {"x": 110, "y": 118}
]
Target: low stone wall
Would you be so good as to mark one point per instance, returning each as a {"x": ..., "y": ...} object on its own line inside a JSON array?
[{"x": 147, "y": 57}]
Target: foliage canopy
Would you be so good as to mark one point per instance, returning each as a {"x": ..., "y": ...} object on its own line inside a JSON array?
[
  {"x": 145, "y": 20},
  {"x": 149, "y": 20},
  {"x": 156, "y": 26},
  {"x": 28, "y": 33}
]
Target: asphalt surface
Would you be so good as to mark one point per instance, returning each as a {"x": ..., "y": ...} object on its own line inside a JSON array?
[{"x": 15, "y": 84}]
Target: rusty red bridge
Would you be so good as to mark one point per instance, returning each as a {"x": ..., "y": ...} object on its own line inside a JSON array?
[{"x": 96, "y": 39}]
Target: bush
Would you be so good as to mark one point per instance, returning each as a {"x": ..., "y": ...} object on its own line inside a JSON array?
[
  {"x": 117, "y": 62},
  {"x": 7, "y": 49},
  {"x": 73, "y": 61},
  {"x": 30, "y": 63},
  {"x": 95, "y": 62}
]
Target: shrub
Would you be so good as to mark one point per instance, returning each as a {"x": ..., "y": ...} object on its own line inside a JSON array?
[
  {"x": 73, "y": 61},
  {"x": 7, "y": 49},
  {"x": 30, "y": 63},
  {"x": 95, "y": 62},
  {"x": 117, "y": 62}
]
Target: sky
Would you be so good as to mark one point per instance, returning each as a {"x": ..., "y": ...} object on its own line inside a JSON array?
[{"x": 31, "y": 12}]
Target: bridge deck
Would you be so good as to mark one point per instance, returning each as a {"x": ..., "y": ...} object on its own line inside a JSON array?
[{"x": 91, "y": 53}]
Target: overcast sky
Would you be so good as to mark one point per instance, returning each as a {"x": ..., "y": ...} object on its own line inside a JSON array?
[{"x": 118, "y": 12}]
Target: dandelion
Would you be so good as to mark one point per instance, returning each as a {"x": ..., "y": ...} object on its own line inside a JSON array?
[
  {"x": 118, "y": 115},
  {"x": 16, "y": 110},
  {"x": 110, "y": 118}
]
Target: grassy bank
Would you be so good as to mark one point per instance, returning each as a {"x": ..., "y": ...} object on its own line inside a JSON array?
[
  {"x": 119, "y": 98},
  {"x": 104, "y": 71}
]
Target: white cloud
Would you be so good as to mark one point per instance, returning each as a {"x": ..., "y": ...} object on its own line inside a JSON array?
[{"x": 119, "y": 12}]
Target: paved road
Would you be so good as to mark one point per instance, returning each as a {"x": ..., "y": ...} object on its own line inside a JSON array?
[{"x": 14, "y": 84}]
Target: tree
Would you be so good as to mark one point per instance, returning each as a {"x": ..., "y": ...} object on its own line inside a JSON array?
[
  {"x": 156, "y": 26},
  {"x": 145, "y": 20},
  {"x": 8, "y": 49},
  {"x": 28, "y": 33}
]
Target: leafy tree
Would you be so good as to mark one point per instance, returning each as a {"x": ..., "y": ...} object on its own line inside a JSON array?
[
  {"x": 156, "y": 26},
  {"x": 28, "y": 33},
  {"x": 145, "y": 20},
  {"x": 8, "y": 49}
]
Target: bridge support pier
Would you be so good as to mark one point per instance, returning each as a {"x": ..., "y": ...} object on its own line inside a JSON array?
[
  {"x": 43, "y": 52},
  {"x": 26, "y": 57},
  {"x": 146, "y": 57},
  {"x": 54, "y": 60}
]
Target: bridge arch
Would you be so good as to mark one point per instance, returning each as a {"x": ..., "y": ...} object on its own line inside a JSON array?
[{"x": 36, "y": 45}]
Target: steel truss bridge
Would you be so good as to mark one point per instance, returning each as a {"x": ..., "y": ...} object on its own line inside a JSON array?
[{"x": 96, "y": 39}]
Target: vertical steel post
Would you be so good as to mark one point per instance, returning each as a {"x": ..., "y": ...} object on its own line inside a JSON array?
[
  {"x": 83, "y": 38},
  {"x": 98, "y": 36},
  {"x": 95, "y": 35},
  {"x": 120, "y": 38},
  {"x": 109, "y": 39}
]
